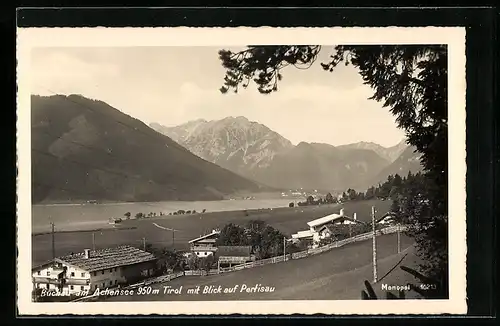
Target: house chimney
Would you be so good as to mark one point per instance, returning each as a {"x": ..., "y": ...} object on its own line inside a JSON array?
[
  {"x": 87, "y": 253},
  {"x": 355, "y": 216},
  {"x": 341, "y": 212}
]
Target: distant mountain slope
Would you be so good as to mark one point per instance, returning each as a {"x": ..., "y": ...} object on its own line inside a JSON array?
[
  {"x": 235, "y": 143},
  {"x": 409, "y": 160},
  {"x": 321, "y": 166},
  {"x": 388, "y": 153},
  {"x": 85, "y": 149}
]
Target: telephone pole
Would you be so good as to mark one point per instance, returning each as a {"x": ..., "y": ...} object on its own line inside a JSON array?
[
  {"x": 284, "y": 249},
  {"x": 144, "y": 244},
  {"x": 399, "y": 238},
  {"x": 374, "y": 247},
  {"x": 173, "y": 239},
  {"x": 93, "y": 241},
  {"x": 53, "y": 241}
]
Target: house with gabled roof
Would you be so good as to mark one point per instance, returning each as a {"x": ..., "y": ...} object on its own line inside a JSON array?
[
  {"x": 204, "y": 245},
  {"x": 322, "y": 227},
  {"x": 93, "y": 269}
]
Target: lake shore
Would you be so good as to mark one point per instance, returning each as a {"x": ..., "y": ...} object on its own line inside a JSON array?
[{"x": 34, "y": 234}]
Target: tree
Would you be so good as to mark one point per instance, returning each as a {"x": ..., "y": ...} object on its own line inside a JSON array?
[
  {"x": 370, "y": 193},
  {"x": 291, "y": 205},
  {"x": 271, "y": 243},
  {"x": 231, "y": 235},
  {"x": 206, "y": 263},
  {"x": 139, "y": 215},
  {"x": 410, "y": 80},
  {"x": 394, "y": 192},
  {"x": 395, "y": 206},
  {"x": 127, "y": 215},
  {"x": 256, "y": 225},
  {"x": 310, "y": 200},
  {"x": 397, "y": 181},
  {"x": 351, "y": 194},
  {"x": 169, "y": 260},
  {"x": 329, "y": 198},
  {"x": 193, "y": 262}
]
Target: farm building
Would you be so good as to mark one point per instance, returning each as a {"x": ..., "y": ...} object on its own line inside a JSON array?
[
  {"x": 205, "y": 245},
  {"x": 233, "y": 255},
  {"x": 92, "y": 269},
  {"x": 321, "y": 228}
]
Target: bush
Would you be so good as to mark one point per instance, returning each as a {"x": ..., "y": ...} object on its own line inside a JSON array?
[{"x": 291, "y": 205}]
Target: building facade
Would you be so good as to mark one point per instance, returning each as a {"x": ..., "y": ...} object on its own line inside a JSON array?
[
  {"x": 93, "y": 269},
  {"x": 204, "y": 246}
]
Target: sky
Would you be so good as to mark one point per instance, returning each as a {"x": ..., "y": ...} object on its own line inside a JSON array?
[{"x": 173, "y": 85}]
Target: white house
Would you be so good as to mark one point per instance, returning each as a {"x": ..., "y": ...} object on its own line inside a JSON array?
[
  {"x": 204, "y": 246},
  {"x": 320, "y": 228},
  {"x": 92, "y": 269}
]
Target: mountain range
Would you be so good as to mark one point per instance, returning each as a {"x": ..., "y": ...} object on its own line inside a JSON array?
[
  {"x": 256, "y": 152},
  {"x": 84, "y": 149}
]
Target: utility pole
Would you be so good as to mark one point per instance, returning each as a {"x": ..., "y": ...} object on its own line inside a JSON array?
[
  {"x": 173, "y": 239},
  {"x": 374, "y": 247},
  {"x": 53, "y": 241},
  {"x": 399, "y": 238},
  {"x": 144, "y": 244},
  {"x": 93, "y": 241},
  {"x": 284, "y": 249}
]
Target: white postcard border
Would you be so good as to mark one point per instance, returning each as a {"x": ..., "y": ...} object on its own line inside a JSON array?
[{"x": 454, "y": 37}]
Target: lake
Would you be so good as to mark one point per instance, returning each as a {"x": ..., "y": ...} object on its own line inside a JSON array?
[{"x": 70, "y": 217}]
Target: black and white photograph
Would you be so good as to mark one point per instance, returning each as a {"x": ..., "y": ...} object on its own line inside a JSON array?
[{"x": 211, "y": 171}]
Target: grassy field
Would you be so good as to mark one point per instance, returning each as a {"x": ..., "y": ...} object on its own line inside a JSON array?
[
  {"x": 334, "y": 275},
  {"x": 287, "y": 220}
]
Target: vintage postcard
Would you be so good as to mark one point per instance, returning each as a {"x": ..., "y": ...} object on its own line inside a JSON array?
[{"x": 263, "y": 171}]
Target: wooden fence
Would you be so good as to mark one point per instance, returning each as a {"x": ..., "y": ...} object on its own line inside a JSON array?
[{"x": 201, "y": 272}]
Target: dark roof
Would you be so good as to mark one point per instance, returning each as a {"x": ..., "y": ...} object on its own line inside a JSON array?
[
  {"x": 214, "y": 233},
  {"x": 234, "y": 251},
  {"x": 330, "y": 227},
  {"x": 107, "y": 258},
  {"x": 386, "y": 215},
  {"x": 43, "y": 265}
]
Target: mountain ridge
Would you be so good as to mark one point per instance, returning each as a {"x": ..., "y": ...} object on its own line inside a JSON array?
[
  {"x": 286, "y": 166},
  {"x": 78, "y": 155}
]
